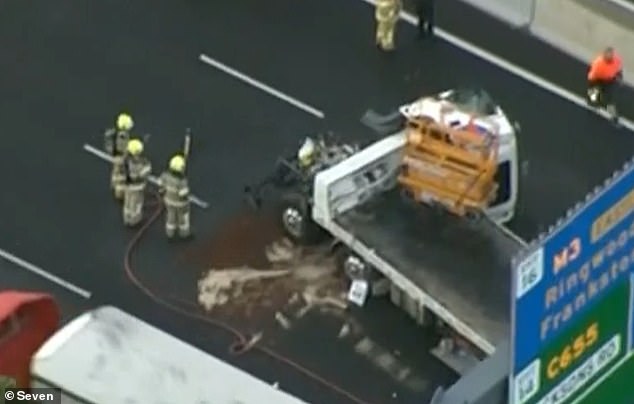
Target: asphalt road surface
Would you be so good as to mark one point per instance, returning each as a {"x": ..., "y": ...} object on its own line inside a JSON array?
[
  {"x": 14, "y": 277},
  {"x": 68, "y": 68}
]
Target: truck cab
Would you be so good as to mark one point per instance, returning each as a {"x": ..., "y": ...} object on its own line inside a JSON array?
[
  {"x": 460, "y": 108},
  {"x": 306, "y": 190}
]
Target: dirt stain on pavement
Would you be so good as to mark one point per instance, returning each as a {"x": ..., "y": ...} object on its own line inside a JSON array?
[{"x": 240, "y": 241}]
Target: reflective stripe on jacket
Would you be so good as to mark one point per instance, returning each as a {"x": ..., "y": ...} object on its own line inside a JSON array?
[
  {"x": 175, "y": 188},
  {"x": 116, "y": 142},
  {"x": 138, "y": 170}
]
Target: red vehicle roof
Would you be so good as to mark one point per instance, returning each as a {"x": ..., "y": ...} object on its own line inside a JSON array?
[
  {"x": 36, "y": 319},
  {"x": 11, "y": 300}
]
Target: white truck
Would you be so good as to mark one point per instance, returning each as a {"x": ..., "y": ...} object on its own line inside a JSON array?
[
  {"x": 440, "y": 268},
  {"x": 107, "y": 356}
]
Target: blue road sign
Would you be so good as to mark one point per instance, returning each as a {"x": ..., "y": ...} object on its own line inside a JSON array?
[{"x": 572, "y": 303}]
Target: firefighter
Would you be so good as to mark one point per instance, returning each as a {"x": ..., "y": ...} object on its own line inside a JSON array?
[
  {"x": 604, "y": 76},
  {"x": 137, "y": 170},
  {"x": 175, "y": 189},
  {"x": 425, "y": 10},
  {"x": 386, "y": 14},
  {"x": 115, "y": 143}
]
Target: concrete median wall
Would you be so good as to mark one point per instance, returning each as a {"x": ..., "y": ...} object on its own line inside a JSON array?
[
  {"x": 583, "y": 27},
  {"x": 580, "y": 28},
  {"x": 517, "y": 13}
]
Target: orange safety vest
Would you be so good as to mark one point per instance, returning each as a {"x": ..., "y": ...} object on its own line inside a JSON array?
[{"x": 602, "y": 70}]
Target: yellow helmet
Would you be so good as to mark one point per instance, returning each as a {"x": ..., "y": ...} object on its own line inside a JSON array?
[
  {"x": 135, "y": 147},
  {"x": 124, "y": 122},
  {"x": 177, "y": 163}
]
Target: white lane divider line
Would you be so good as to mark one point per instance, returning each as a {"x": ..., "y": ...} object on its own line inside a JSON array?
[
  {"x": 154, "y": 180},
  {"x": 44, "y": 274},
  {"x": 626, "y": 5},
  {"x": 512, "y": 68},
  {"x": 261, "y": 86}
]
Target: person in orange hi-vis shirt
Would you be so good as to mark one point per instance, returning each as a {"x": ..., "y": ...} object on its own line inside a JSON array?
[{"x": 604, "y": 76}]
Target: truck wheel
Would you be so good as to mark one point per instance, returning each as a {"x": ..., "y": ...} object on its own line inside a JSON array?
[
  {"x": 353, "y": 266},
  {"x": 296, "y": 219}
]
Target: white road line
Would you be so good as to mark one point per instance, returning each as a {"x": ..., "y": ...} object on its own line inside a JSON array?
[
  {"x": 46, "y": 275},
  {"x": 624, "y": 4},
  {"x": 154, "y": 180},
  {"x": 512, "y": 68},
  {"x": 261, "y": 86}
]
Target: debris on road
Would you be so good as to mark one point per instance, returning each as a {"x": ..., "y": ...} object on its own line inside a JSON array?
[
  {"x": 254, "y": 340},
  {"x": 344, "y": 331},
  {"x": 294, "y": 280},
  {"x": 389, "y": 363},
  {"x": 284, "y": 322},
  {"x": 259, "y": 276},
  {"x": 219, "y": 286},
  {"x": 280, "y": 252}
]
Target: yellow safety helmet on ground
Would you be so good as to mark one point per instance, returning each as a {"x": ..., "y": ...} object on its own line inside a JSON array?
[
  {"x": 135, "y": 147},
  {"x": 124, "y": 122},
  {"x": 177, "y": 163}
]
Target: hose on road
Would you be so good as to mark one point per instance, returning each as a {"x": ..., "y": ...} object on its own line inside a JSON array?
[{"x": 241, "y": 344}]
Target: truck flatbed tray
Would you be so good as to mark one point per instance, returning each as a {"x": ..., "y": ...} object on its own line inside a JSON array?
[{"x": 463, "y": 266}]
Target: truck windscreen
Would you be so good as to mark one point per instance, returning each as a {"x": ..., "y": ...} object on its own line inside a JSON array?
[
  {"x": 473, "y": 101},
  {"x": 503, "y": 179}
]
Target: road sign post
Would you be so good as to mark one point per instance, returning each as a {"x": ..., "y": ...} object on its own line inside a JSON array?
[{"x": 572, "y": 306}]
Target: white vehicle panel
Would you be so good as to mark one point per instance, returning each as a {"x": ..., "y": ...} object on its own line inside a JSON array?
[
  {"x": 448, "y": 113},
  {"x": 109, "y": 356}
]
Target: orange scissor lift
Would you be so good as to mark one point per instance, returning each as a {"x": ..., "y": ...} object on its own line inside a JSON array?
[{"x": 453, "y": 168}]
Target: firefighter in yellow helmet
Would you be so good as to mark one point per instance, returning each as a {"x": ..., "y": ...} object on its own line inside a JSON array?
[
  {"x": 115, "y": 143},
  {"x": 386, "y": 14},
  {"x": 137, "y": 170},
  {"x": 175, "y": 189}
]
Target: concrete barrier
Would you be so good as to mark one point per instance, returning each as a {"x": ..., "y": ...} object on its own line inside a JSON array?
[
  {"x": 582, "y": 28},
  {"x": 517, "y": 13}
]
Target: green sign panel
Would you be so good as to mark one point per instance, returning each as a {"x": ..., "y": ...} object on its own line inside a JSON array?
[
  {"x": 591, "y": 351},
  {"x": 580, "y": 355}
]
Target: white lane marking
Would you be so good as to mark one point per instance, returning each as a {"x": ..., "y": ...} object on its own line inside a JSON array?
[
  {"x": 625, "y": 4},
  {"x": 261, "y": 86},
  {"x": 46, "y": 275},
  {"x": 154, "y": 180},
  {"x": 512, "y": 68}
]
